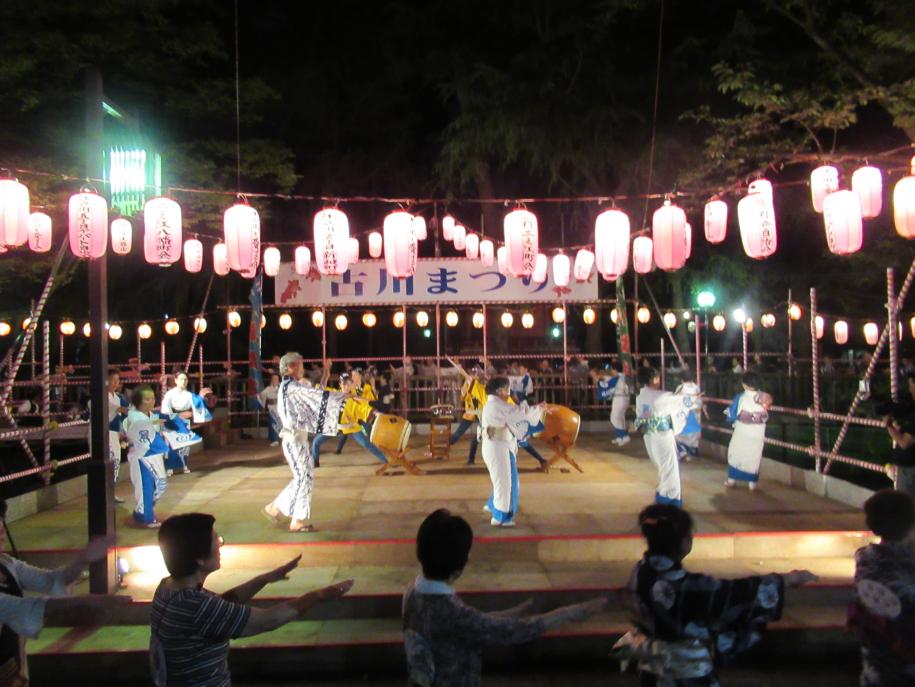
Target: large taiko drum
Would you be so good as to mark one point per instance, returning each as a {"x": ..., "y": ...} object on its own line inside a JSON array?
[
  {"x": 560, "y": 426},
  {"x": 391, "y": 433}
]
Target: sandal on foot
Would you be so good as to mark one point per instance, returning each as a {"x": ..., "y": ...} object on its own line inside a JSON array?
[{"x": 304, "y": 528}]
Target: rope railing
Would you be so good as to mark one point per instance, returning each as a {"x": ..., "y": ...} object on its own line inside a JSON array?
[{"x": 48, "y": 467}]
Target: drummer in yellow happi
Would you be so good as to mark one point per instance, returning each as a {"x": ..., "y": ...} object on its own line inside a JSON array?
[
  {"x": 356, "y": 412},
  {"x": 473, "y": 393},
  {"x": 361, "y": 387}
]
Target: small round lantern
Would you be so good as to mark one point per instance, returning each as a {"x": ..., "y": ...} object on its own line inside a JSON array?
[
  {"x": 115, "y": 332},
  {"x": 840, "y": 331},
  {"x": 614, "y": 315},
  {"x": 589, "y": 316},
  {"x": 144, "y": 331},
  {"x": 285, "y": 321},
  {"x": 643, "y": 315},
  {"x": 67, "y": 327},
  {"x": 559, "y": 314},
  {"x": 234, "y": 319},
  {"x": 507, "y": 319},
  {"x": 340, "y": 322},
  {"x": 172, "y": 327},
  {"x": 317, "y": 318},
  {"x": 369, "y": 320},
  {"x": 451, "y": 318},
  {"x": 200, "y": 324},
  {"x": 478, "y": 320},
  {"x": 716, "y": 221},
  {"x": 670, "y": 320},
  {"x": 399, "y": 319},
  {"x": 422, "y": 318},
  {"x": 527, "y": 320},
  {"x": 719, "y": 323}
]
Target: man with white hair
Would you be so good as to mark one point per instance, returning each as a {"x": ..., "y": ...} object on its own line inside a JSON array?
[{"x": 301, "y": 409}]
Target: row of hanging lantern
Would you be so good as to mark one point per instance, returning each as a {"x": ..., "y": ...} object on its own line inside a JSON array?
[
  {"x": 115, "y": 330},
  {"x": 870, "y": 330}
]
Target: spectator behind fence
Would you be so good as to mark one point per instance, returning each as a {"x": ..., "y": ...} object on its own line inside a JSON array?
[
  {"x": 191, "y": 626},
  {"x": 443, "y": 636},
  {"x": 901, "y": 427},
  {"x": 884, "y": 608}
]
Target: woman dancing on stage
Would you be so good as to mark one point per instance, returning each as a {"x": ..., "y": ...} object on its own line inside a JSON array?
[
  {"x": 146, "y": 450},
  {"x": 181, "y": 407},
  {"x": 615, "y": 388},
  {"x": 749, "y": 413}
]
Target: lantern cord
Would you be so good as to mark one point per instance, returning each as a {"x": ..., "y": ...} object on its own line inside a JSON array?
[
  {"x": 654, "y": 113},
  {"x": 237, "y": 110}
]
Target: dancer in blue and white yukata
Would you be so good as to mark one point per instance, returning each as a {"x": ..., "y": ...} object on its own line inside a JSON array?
[
  {"x": 267, "y": 398},
  {"x": 301, "y": 409},
  {"x": 146, "y": 449},
  {"x": 615, "y": 388},
  {"x": 181, "y": 407},
  {"x": 688, "y": 438},
  {"x": 118, "y": 407},
  {"x": 662, "y": 415},
  {"x": 749, "y": 413},
  {"x": 522, "y": 386},
  {"x": 502, "y": 424}
]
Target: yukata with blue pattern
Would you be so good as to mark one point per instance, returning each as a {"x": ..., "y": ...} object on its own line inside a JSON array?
[
  {"x": 146, "y": 451},
  {"x": 616, "y": 390},
  {"x": 749, "y": 412},
  {"x": 661, "y": 415},
  {"x": 689, "y": 436},
  {"x": 176, "y": 429}
]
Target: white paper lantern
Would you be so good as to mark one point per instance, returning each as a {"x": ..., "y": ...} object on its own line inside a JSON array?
[
  {"x": 668, "y": 235},
  {"x": 904, "y": 205},
  {"x": 220, "y": 259},
  {"x": 871, "y": 333},
  {"x": 451, "y": 318},
  {"x": 719, "y": 323},
  {"x": 242, "y": 232},
  {"x": 317, "y": 318},
  {"x": 819, "y": 326},
  {"x": 502, "y": 260},
  {"x": 331, "y": 234},
  {"x": 584, "y": 263},
  {"x": 541, "y": 266},
  {"x": 507, "y": 319},
  {"x": 285, "y": 321},
  {"x": 823, "y": 181},
  {"x": 558, "y": 314},
  {"x": 376, "y": 244},
  {"x": 472, "y": 246},
  {"x": 340, "y": 322},
  {"x": 643, "y": 315},
  {"x": 419, "y": 227},
  {"x": 144, "y": 331},
  {"x": 867, "y": 182},
  {"x": 193, "y": 255},
  {"x": 302, "y": 260},
  {"x": 689, "y": 240},
  {"x": 611, "y": 243},
  {"x": 842, "y": 219},
  {"x": 670, "y": 320},
  {"x": 589, "y": 316},
  {"x": 642, "y": 254},
  {"x": 422, "y": 318},
  {"x": 162, "y": 231},
  {"x": 562, "y": 269},
  {"x": 756, "y": 217},
  {"x": 369, "y": 319},
  {"x": 840, "y": 330},
  {"x": 527, "y": 320},
  {"x": 447, "y": 227},
  {"x": 88, "y": 225},
  {"x": 487, "y": 252},
  {"x": 234, "y": 319},
  {"x": 121, "y": 236},
  {"x": 14, "y": 213},
  {"x": 478, "y": 320},
  {"x": 353, "y": 253},
  {"x": 522, "y": 241},
  {"x": 400, "y": 245},
  {"x": 272, "y": 259},
  {"x": 115, "y": 332},
  {"x": 39, "y": 232},
  {"x": 716, "y": 221},
  {"x": 459, "y": 236}
]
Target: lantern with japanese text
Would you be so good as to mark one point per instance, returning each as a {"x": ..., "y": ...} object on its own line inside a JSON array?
[
  {"x": 472, "y": 246},
  {"x": 867, "y": 182},
  {"x": 487, "y": 252},
  {"x": 716, "y": 221},
  {"x": 756, "y": 218},
  {"x": 502, "y": 259},
  {"x": 14, "y": 213},
  {"x": 302, "y": 260},
  {"x": 369, "y": 320},
  {"x": 562, "y": 268},
  {"x": 376, "y": 244},
  {"x": 340, "y": 322},
  {"x": 522, "y": 241},
  {"x": 400, "y": 245},
  {"x": 121, "y": 236},
  {"x": 193, "y": 255},
  {"x": 220, "y": 259},
  {"x": 144, "y": 331},
  {"x": 448, "y": 227},
  {"x": 507, "y": 319},
  {"x": 162, "y": 231},
  {"x": 842, "y": 219},
  {"x": 668, "y": 236},
  {"x": 478, "y": 320},
  {"x": 584, "y": 263},
  {"x": 88, "y": 224},
  {"x": 819, "y": 327},
  {"x": 451, "y": 318},
  {"x": 459, "y": 237},
  {"x": 823, "y": 181},
  {"x": 904, "y": 205},
  {"x": 331, "y": 234},
  {"x": 353, "y": 253},
  {"x": 840, "y": 331},
  {"x": 233, "y": 318},
  {"x": 419, "y": 227},
  {"x": 39, "y": 232},
  {"x": 719, "y": 323},
  {"x": 642, "y": 254},
  {"x": 871, "y": 333},
  {"x": 611, "y": 242},
  {"x": 317, "y": 318},
  {"x": 272, "y": 259},
  {"x": 541, "y": 266}
]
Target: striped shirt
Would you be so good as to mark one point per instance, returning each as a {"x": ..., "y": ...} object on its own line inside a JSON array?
[{"x": 193, "y": 627}]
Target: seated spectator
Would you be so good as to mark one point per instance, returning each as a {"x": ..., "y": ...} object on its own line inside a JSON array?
[
  {"x": 192, "y": 626},
  {"x": 443, "y": 636},
  {"x": 884, "y": 608},
  {"x": 688, "y": 623},
  {"x": 24, "y": 616}
]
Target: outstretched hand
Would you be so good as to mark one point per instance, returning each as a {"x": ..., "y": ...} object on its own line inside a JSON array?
[
  {"x": 282, "y": 572},
  {"x": 97, "y": 549},
  {"x": 334, "y": 591}
]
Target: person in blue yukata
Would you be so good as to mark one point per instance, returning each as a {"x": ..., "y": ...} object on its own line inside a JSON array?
[{"x": 146, "y": 451}]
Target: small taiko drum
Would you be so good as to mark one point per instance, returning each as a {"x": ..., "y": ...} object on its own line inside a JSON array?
[
  {"x": 391, "y": 433},
  {"x": 560, "y": 426}
]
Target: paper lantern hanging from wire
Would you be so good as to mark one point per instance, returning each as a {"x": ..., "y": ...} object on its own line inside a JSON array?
[
  {"x": 843, "y": 222},
  {"x": 144, "y": 331},
  {"x": 871, "y": 333},
  {"x": 88, "y": 225},
  {"x": 340, "y": 322},
  {"x": 819, "y": 326},
  {"x": 611, "y": 242},
  {"x": 331, "y": 234},
  {"x": 242, "y": 232},
  {"x": 562, "y": 269},
  {"x": 459, "y": 236},
  {"x": 40, "y": 232},
  {"x": 353, "y": 253},
  {"x": 376, "y": 244},
  {"x": 716, "y": 221},
  {"x": 14, "y": 213},
  {"x": 448, "y": 227},
  {"x": 823, "y": 181},
  {"x": 317, "y": 318},
  {"x": 419, "y": 227},
  {"x": 272, "y": 259},
  {"x": 522, "y": 241},
  {"x": 502, "y": 260},
  {"x": 668, "y": 237},
  {"x": 162, "y": 231},
  {"x": 756, "y": 218},
  {"x": 400, "y": 245},
  {"x": 584, "y": 263},
  {"x": 541, "y": 267},
  {"x": 478, "y": 320},
  {"x": 487, "y": 252},
  {"x": 840, "y": 331},
  {"x": 220, "y": 259},
  {"x": 867, "y": 182},
  {"x": 234, "y": 319},
  {"x": 121, "y": 236},
  {"x": 302, "y": 260},
  {"x": 472, "y": 246},
  {"x": 904, "y": 205},
  {"x": 642, "y": 254},
  {"x": 369, "y": 319},
  {"x": 451, "y": 318},
  {"x": 193, "y": 255}
]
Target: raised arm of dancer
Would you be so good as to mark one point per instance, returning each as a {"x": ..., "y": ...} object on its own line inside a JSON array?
[
  {"x": 457, "y": 367},
  {"x": 246, "y": 591},
  {"x": 325, "y": 375},
  {"x": 272, "y": 617}
]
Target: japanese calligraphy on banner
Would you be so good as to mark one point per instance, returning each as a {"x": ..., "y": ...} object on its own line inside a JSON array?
[{"x": 440, "y": 280}]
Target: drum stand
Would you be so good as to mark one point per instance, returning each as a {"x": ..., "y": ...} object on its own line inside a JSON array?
[
  {"x": 440, "y": 432},
  {"x": 397, "y": 459},
  {"x": 561, "y": 454}
]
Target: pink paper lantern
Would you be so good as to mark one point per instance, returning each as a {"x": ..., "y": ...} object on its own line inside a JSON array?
[
  {"x": 871, "y": 333},
  {"x": 331, "y": 233},
  {"x": 842, "y": 218},
  {"x": 459, "y": 236},
  {"x": 611, "y": 242},
  {"x": 400, "y": 244},
  {"x": 823, "y": 181},
  {"x": 487, "y": 252},
  {"x": 756, "y": 217},
  {"x": 562, "y": 269},
  {"x": 502, "y": 260},
  {"x": 14, "y": 213},
  {"x": 419, "y": 227},
  {"x": 584, "y": 263},
  {"x": 689, "y": 240},
  {"x": 642, "y": 254},
  {"x": 272, "y": 259},
  {"x": 541, "y": 265},
  {"x": 376, "y": 244},
  {"x": 39, "y": 232},
  {"x": 522, "y": 241},
  {"x": 448, "y": 227},
  {"x": 840, "y": 330},
  {"x": 716, "y": 221},
  {"x": 162, "y": 235},
  {"x": 668, "y": 235},
  {"x": 472, "y": 246},
  {"x": 303, "y": 260},
  {"x": 904, "y": 205},
  {"x": 867, "y": 182},
  {"x": 353, "y": 253},
  {"x": 220, "y": 259},
  {"x": 88, "y": 225},
  {"x": 819, "y": 326},
  {"x": 193, "y": 255},
  {"x": 121, "y": 236}
]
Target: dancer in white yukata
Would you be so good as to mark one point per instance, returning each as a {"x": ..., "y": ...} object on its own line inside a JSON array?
[
  {"x": 689, "y": 436},
  {"x": 180, "y": 407},
  {"x": 503, "y": 424},
  {"x": 301, "y": 409},
  {"x": 748, "y": 412},
  {"x": 267, "y": 399},
  {"x": 146, "y": 450},
  {"x": 118, "y": 407},
  {"x": 615, "y": 388},
  {"x": 661, "y": 415}
]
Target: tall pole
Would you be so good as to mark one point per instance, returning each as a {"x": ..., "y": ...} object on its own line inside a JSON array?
[
  {"x": 323, "y": 335},
  {"x": 403, "y": 362},
  {"x": 565, "y": 353},
  {"x": 743, "y": 333},
  {"x": 698, "y": 348},
  {"x": 229, "y": 368},
  {"x": 790, "y": 348},
  {"x": 815, "y": 376},
  {"x": 485, "y": 325},
  {"x": 891, "y": 319},
  {"x": 438, "y": 350},
  {"x": 635, "y": 319},
  {"x": 46, "y": 394},
  {"x": 100, "y": 486},
  {"x": 663, "y": 364}
]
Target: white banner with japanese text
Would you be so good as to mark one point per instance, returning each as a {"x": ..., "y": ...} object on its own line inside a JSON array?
[{"x": 437, "y": 280}]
